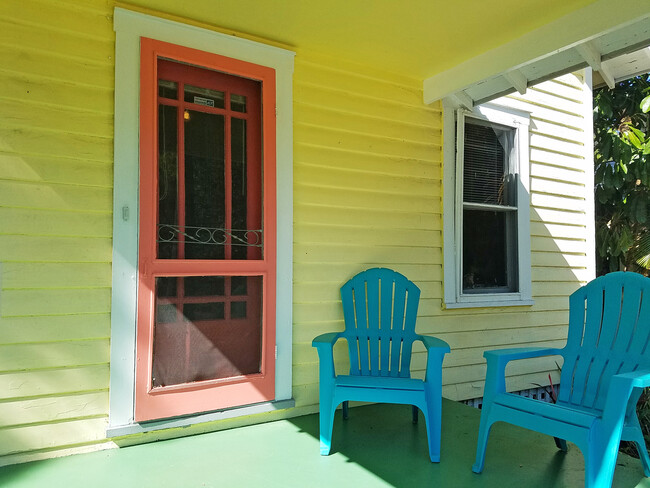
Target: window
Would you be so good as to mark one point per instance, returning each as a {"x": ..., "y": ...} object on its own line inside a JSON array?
[{"x": 486, "y": 215}]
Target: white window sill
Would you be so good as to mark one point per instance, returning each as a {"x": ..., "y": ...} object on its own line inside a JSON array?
[{"x": 488, "y": 304}]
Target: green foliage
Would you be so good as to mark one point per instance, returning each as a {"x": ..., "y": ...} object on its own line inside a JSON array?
[
  {"x": 622, "y": 178},
  {"x": 622, "y": 175}
]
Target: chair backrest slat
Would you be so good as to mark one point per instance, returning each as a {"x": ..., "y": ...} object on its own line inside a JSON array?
[
  {"x": 586, "y": 349},
  {"x": 385, "y": 325},
  {"x": 373, "y": 303},
  {"x": 603, "y": 354},
  {"x": 609, "y": 328},
  {"x": 380, "y": 309},
  {"x": 361, "y": 332},
  {"x": 349, "y": 316}
]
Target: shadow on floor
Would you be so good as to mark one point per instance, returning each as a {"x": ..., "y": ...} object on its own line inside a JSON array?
[
  {"x": 377, "y": 446},
  {"x": 383, "y": 440}
]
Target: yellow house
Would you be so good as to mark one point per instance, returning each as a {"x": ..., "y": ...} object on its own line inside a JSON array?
[{"x": 340, "y": 127}]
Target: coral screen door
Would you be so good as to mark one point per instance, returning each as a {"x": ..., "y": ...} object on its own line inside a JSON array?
[{"x": 206, "y": 290}]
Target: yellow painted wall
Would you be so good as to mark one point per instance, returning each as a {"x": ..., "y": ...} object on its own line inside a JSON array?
[
  {"x": 56, "y": 150},
  {"x": 561, "y": 185},
  {"x": 367, "y": 191}
]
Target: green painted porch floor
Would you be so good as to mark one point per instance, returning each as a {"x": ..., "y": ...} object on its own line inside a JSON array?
[{"x": 377, "y": 447}]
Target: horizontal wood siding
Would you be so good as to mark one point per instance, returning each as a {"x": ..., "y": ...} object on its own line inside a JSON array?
[
  {"x": 367, "y": 192},
  {"x": 56, "y": 131},
  {"x": 560, "y": 214},
  {"x": 367, "y": 196}
]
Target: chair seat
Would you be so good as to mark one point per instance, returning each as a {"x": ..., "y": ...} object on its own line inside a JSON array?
[
  {"x": 560, "y": 413},
  {"x": 379, "y": 382}
]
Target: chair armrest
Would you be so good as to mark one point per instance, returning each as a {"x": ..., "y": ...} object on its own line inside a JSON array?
[
  {"x": 495, "y": 377},
  {"x": 436, "y": 350},
  {"x": 324, "y": 344},
  {"x": 506, "y": 355},
  {"x": 620, "y": 402},
  {"x": 326, "y": 339},
  {"x": 433, "y": 343},
  {"x": 635, "y": 379}
]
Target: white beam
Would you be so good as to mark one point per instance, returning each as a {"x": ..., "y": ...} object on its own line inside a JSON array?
[
  {"x": 517, "y": 80},
  {"x": 607, "y": 76},
  {"x": 590, "y": 53},
  {"x": 592, "y": 56},
  {"x": 462, "y": 99}
]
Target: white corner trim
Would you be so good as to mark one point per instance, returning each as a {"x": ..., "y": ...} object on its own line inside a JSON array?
[
  {"x": 449, "y": 199},
  {"x": 129, "y": 27},
  {"x": 588, "y": 102}
]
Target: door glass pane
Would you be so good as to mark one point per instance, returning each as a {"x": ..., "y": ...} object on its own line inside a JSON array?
[
  {"x": 246, "y": 209},
  {"x": 489, "y": 251},
  {"x": 204, "y": 96},
  {"x": 167, "y": 89},
  {"x": 167, "y": 182},
  {"x": 205, "y": 213},
  {"x": 206, "y": 335},
  {"x": 238, "y": 103}
]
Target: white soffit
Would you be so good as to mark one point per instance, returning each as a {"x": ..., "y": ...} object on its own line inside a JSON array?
[
  {"x": 626, "y": 66},
  {"x": 597, "y": 52}
]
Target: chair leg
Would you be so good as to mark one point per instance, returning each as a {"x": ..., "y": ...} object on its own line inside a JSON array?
[
  {"x": 481, "y": 444},
  {"x": 415, "y": 414},
  {"x": 433, "y": 419},
  {"x": 561, "y": 444},
  {"x": 641, "y": 448},
  {"x": 345, "y": 410},
  {"x": 326, "y": 420},
  {"x": 599, "y": 467}
]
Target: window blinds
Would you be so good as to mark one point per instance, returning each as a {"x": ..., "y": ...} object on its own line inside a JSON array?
[{"x": 488, "y": 178}]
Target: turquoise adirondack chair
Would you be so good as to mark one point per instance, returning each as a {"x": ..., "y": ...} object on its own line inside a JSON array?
[
  {"x": 606, "y": 366},
  {"x": 380, "y": 308}
]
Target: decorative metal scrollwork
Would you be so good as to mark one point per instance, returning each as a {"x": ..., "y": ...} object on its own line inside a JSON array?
[{"x": 210, "y": 235}]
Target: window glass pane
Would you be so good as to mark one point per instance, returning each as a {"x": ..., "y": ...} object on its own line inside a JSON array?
[
  {"x": 489, "y": 251},
  {"x": 238, "y": 103},
  {"x": 204, "y": 96},
  {"x": 488, "y": 175},
  {"x": 167, "y": 89},
  {"x": 206, "y": 336},
  {"x": 167, "y": 182}
]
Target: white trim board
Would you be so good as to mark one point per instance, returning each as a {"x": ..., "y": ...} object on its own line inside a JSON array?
[{"x": 129, "y": 27}]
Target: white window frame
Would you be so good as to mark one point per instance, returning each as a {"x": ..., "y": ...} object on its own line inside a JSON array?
[
  {"x": 454, "y": 120},
  {"x": 129, "y": 27}
]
